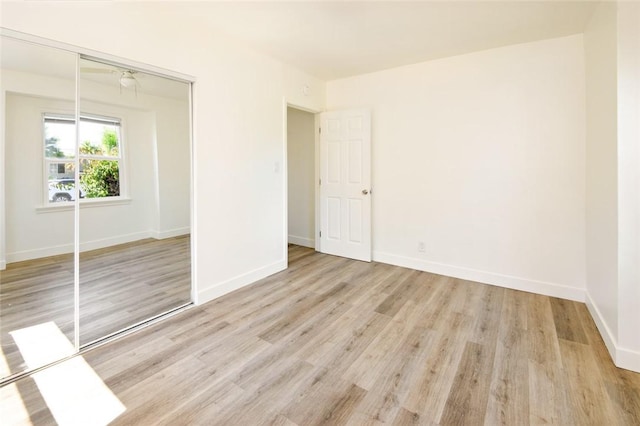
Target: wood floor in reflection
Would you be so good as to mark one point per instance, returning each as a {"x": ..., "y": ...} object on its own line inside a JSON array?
[
  {"x": 119, "y": 286},
  {"x": 336, "y": 341}
]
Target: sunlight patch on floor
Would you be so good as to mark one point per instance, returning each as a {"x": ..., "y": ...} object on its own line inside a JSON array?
[
  {"x": 4, "y": 366},
  {"x": 73, "y": 391},
  {"x": 42, "y": 344},
  {"x": 12, "y": 409}
]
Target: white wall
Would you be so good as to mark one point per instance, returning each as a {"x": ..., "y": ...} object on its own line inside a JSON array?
[
  {"x": 155, "y": 137},
  {"x": 35, "y": 230},
  {"x": 31, "y": 234},
  {"x": 55, "y": 89},
  {"x": 481, "y": 157},
  {"x": 612, "y": 46},
  {"x": 238, "y": 117},
  {"x": 3, "y": 247},
  {"x": 629, "y": 185},
  {"x": 301, "y": 177},
  {"x": 174, "y": 168},
  {"x": 601, "y": 172}
]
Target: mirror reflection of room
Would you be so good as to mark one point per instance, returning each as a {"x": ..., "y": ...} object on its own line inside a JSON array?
[
  {"x": 125, "y": 167},
  {"x": 135, "y": 164},
  {"x": 36, "y": 242}
]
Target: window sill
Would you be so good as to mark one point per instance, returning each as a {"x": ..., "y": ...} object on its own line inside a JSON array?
[{"x": 87, "y": 203}]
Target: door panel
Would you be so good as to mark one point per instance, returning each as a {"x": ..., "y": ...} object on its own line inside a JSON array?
[
  {"x": 134, "y": 219},
  {"x": 333, "y": 165},
  {"x": 37, "y": 157},
  {"x": 96, "y": 206},
  {"x": 355, "y": 162},
  {"x": 333, "y": 216},
  {"x": 345, "y": 175},
  {"x": 355, "y": 221}
]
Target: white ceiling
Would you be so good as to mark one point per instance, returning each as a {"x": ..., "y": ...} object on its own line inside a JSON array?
[{"x": 332, "y": 40}]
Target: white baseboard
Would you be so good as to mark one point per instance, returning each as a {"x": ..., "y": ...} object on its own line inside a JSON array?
[
  {"x": 302, "y": 241},
  {"x": 605, "y": 332},
  {"x": 628, "y": 359},
  {"x": 93, "y": 245},
  {"x": 622, "y": 357},
  {"x": 68, "y": 248},
  {"x": 170, "y": 233},
  {"x": 3, "y": 265},
  {"x": 507, "y": 281},
  {"x": 20, "y": 256},
  {"x": 220, "y": 289},
  {"x": 114, "y": 241}
]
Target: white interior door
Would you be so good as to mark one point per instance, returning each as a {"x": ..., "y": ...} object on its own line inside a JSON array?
[{"x": 345, "y": 184}]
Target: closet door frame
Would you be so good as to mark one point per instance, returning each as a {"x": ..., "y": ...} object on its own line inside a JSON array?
[{"x": 83, "y": 53}]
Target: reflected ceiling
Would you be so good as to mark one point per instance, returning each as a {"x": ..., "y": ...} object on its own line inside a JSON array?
[{"x": 36, "y": 59}]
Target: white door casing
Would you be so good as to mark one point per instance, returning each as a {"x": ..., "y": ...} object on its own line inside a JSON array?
[{"x": 345, "y": 184}]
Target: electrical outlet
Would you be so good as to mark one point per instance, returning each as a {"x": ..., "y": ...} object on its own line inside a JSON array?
[{"x": 421, "y": 247}]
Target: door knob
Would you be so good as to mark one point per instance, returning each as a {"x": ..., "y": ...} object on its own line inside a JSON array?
[{"x": 365, "y": 191}]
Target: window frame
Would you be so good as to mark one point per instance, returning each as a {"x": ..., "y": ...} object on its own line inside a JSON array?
[{"x": 120, "y": 158}]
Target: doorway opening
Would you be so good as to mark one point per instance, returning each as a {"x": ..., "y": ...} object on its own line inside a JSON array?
[{"x": 301, "y": 178}]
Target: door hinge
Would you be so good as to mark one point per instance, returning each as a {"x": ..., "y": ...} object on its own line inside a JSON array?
[
  {"x": 320, "y": 234},
  {"x": 319, "y": 129},
  {"x": 319, "y": 181}
]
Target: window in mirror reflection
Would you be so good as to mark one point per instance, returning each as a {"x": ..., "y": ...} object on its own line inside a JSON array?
[{"x": 100, "y": 158}]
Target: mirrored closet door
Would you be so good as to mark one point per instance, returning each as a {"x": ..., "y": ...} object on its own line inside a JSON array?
[
  {"x": 134, "y": 167},
  {"x": 95, "y": 201},
  {"x": 37, "y": 323}
]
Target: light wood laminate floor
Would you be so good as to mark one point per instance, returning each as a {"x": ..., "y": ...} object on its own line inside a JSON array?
[
  {"x": 336, "y": 341},
  {"x": 119, "y": 286}
]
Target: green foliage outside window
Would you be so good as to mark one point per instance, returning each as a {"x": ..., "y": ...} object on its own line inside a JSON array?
[
  {"x": 101, "y": 178},
  {"x": 51, "y": 148}
]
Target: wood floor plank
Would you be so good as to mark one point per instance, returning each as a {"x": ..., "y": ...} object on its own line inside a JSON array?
[
  {"x": 467, "y": 400},
  {"x": 587, "y": 391},
  {"x": 290, "y": 319},
  {"x": 342, "y": 350},
  {"x": 407, "y": 418},
  {"x": 548, "y": 399},
  {"x": 340, "y": 399},
  {"x": 625, "y": 402},
  {"x": 603, "y": 358},
  {"x": 335, "y": 341},
  {"x": 565, "y": 319},
  {"x": 433, "y": 382},
  {"x": 377, "y": 356},
  {"x": 23, "y": 405},
  {"x": 392, "y": 385},
  {"x": 308, "y": 330},
  {"x": 119, "y": 286},
  {"x": 509, "y": 390},
  {"x": 204, "y": 402},
  {"x": 403, "y": 292},
  {"x": 280, "y": 379},
  {"x": 622, "y": 386},
  {"x": 447, "y": 294},
  {"x": 274, "y": 289},
  {"x": 183, "y": 375},
  {"x": 488, "y": 317}
]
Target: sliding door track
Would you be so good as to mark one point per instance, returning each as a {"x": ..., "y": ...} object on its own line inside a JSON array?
[{"x": 100, "y": 342}]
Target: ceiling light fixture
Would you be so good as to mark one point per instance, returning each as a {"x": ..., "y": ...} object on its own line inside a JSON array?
[{"x": 127, "y": 79}]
